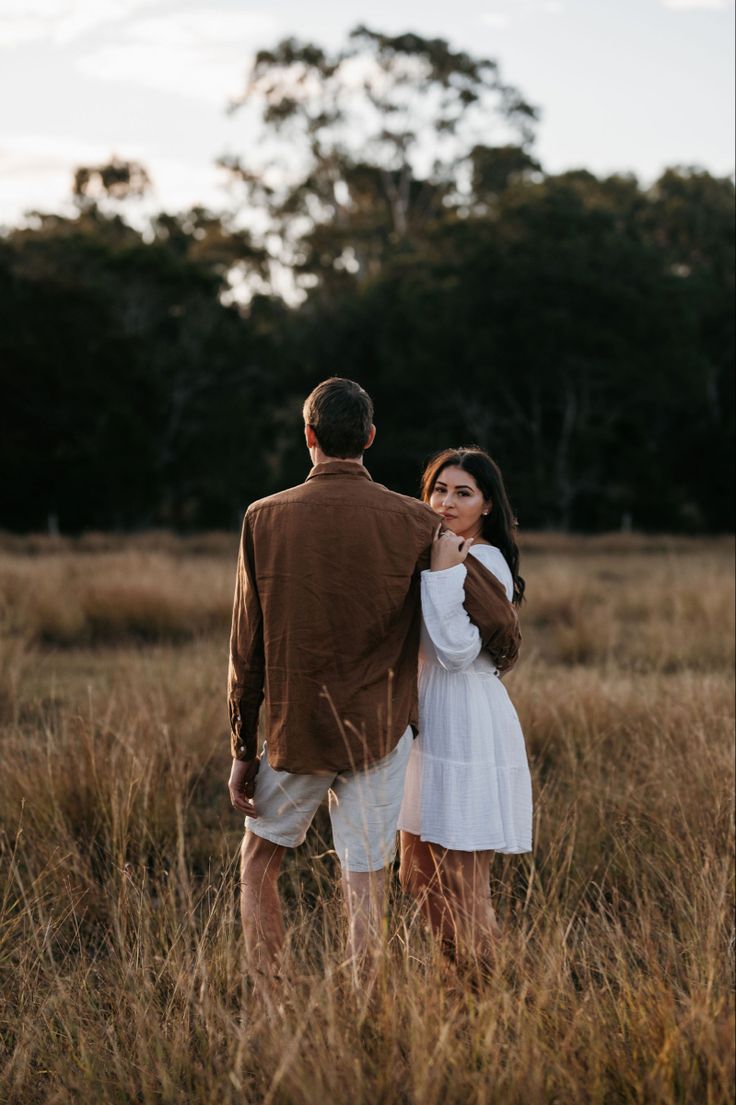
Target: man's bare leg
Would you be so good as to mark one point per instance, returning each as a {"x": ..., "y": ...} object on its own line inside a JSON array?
[
  {"x": 260, "y": 905},
  {"x": 364, "y": 893}
]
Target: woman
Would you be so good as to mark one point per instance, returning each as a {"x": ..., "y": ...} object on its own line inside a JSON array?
[{"x": 468, "y": 790}]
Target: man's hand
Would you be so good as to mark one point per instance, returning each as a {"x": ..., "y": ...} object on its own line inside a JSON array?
[
  {"x": 242, "y": 785},
  {"x": 448, "y": 549}
]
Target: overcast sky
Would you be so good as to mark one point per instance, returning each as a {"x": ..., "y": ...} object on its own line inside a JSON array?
[{"x": 624, "y": 85}]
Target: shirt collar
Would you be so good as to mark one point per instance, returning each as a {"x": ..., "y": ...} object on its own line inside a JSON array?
[{"x": 344, "y": 468}]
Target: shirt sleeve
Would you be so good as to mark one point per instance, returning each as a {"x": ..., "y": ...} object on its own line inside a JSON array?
[
  {"x": 456, "y": 640},
  {"x": 247, "y": 663}
]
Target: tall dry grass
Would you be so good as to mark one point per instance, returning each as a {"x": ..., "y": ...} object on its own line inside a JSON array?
[
  {"x": 123, "y": 974},
  {"x": 77, "y": 598}
]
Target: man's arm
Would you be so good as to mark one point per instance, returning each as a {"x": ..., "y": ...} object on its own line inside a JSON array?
[
  {"x": 491, "y": 611},
  {"x": 246, "y": 666}
]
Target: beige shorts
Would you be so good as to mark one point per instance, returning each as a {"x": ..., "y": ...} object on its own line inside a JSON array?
[{"x": 364, "y": 807}]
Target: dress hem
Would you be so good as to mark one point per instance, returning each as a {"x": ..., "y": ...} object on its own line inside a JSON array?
[{"x": 503, "y": 849}]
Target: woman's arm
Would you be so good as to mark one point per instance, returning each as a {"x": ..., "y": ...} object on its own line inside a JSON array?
[
  {"x": 483, "y": 591},
  {"x": 456, "y": 640},
  {"x": 456, "y": 637}
]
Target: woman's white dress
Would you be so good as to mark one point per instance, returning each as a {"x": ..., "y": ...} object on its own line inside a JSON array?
[{"x": 467, "y": 782}]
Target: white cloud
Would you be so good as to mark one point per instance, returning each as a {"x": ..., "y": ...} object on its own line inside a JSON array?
[
  {"x": 61, "y": 21},
  {"x": 697, "y": 5},
  {"x": 222, "y": 28},
  {"x": 17, "y": 30},
  {"x": 200, "y": 53},
  {"x": 90, "y": 15},
  {"x": 45, "y": 153},
  {"x": 498, "y": 21},
  {"x": 36, "y": 173}
]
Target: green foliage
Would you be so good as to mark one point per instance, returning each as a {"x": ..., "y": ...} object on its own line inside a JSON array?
[
  {"x": 376, "y": 138},
  {"x": 560, "y": 334},
  {"x": 117, "y": 179},
  {"x": 130, "y": 389},
  {"x": 580, "y": 328}
]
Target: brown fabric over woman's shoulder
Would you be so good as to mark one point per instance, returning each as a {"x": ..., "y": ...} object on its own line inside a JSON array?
[{"x": 496, "y": 618}]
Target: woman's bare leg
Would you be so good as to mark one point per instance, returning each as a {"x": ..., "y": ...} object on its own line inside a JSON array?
[
  {"x": 453, "y": 891},
  {"x": 420, "y": 878},
  {"x": 465, "y": 879}
]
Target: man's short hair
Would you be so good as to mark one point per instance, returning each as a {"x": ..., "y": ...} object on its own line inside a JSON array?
[{"x": 341, "y": 414}]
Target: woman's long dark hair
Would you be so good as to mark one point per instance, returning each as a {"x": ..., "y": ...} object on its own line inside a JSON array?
[{"x": 499, "y": 525}]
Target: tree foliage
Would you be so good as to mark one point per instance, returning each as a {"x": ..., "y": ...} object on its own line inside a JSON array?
[
  {"x": 580, "y": 328},
  {"x": 377, "y": 140},
  {"x": 116, "y": 179}
]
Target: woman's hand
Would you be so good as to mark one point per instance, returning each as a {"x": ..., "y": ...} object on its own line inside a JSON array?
[{"x": 448, "y": 550}]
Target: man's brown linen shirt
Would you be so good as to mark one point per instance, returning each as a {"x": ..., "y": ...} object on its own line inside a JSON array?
[{"x": 325, "y": 628}]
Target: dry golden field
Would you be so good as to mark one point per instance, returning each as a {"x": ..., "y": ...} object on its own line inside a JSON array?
[{"x": 123, "y": 976}]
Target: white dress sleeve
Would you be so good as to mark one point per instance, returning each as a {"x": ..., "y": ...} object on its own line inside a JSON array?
[{"x": 455, "y": 638}]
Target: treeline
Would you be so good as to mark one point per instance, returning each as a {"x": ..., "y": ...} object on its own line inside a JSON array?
[{"x": 579, "y": 328}]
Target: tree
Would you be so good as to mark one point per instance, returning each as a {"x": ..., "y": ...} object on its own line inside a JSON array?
[
  {"x": 580, "y": 328},
  {"x": 129, "y": 388},
  {"x": 379, "y": 137},
  {"x": 116, "y": 179},
  {"x": 690, "y": 218},
  {"x": 555, "y": 334}
]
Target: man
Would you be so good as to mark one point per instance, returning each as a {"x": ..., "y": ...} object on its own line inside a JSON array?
[{"x": 325, "y": 635}]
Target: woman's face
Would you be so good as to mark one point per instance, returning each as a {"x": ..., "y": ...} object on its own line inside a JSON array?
[{"x": 459, "y": 501}]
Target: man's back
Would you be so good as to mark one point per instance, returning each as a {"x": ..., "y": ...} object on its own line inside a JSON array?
[{"x": 329, "y": 570}]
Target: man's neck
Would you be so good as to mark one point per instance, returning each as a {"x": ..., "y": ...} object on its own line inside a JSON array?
[{"x": 318, "y": 457}]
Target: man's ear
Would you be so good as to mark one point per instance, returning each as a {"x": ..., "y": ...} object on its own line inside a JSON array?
[
  {"x": 311, "y": 437},
  {"x": 371, "y": 437}
]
